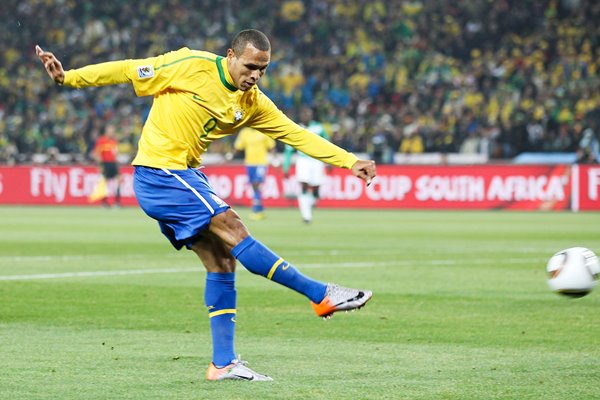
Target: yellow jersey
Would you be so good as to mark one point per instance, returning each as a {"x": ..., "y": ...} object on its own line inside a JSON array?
[
  {"x": 196, "y": 102},
  {"x": 255, "y": 145}
]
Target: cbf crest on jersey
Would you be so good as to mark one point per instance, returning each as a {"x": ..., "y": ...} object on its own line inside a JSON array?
[
  {"x": 238, "y": 115},
  {"x": 146, "y": 71}
]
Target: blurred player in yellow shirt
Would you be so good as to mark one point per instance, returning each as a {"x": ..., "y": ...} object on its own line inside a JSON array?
[
  {"x": 200, "y": 97},
  {"x": 256, "y": 148}
]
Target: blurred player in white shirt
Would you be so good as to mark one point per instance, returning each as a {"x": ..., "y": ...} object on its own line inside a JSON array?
[{"x": 310, "y": 173}]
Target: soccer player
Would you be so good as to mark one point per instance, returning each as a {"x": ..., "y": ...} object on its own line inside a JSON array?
[
  {"x": 105, "y": 152},
  {"x": 310, "y": 172},
  {"x": 256, "y": 148},
  {"x": 200, "y": 97}
]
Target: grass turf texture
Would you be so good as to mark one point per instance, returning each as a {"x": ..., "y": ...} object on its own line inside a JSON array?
[{"x": 461, "y": 309}]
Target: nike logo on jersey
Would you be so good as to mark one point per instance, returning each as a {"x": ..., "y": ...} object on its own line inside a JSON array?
[{"x": 195, "y": 97}]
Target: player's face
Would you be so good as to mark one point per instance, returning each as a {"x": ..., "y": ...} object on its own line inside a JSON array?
[{"x": 247, "y": 68}]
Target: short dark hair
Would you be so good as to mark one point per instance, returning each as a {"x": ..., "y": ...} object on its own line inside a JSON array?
[{"x": 254, "y": 37}]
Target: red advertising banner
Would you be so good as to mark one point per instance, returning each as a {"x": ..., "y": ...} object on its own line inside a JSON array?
[
  {"x": 58, "y": 185},
  {"x": 418, "y": 187},
  {"x": 513, "y": 187},
  {"x": 586, "y": 179}
]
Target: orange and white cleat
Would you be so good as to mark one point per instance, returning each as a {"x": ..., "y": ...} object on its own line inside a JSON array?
[
  {"x": 338, "y": 298},
  {"x": 237, "y": 370}
]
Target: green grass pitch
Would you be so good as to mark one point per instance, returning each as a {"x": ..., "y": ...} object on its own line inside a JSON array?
[{"x": 95, "y": 304}]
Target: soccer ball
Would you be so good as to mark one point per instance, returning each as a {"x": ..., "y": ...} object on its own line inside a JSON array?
[{"x": 573, "y": 272}]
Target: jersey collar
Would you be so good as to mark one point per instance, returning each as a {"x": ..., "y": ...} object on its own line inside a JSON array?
[{"x": 224, "y": 73}]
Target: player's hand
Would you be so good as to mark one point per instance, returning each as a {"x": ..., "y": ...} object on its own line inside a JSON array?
[
  {"x": 365, "y": 170},
  {"x": 53, "y": 66}
]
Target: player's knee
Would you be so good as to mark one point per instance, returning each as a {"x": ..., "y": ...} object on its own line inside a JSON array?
[
  {"x": 228, "y": 226},
  {"x": 214, "y": 255},
  {"x": 228, "y": 263},
  {"x": 223, "y": 264}
]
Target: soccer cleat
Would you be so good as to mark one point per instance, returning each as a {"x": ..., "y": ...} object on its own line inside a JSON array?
[
  {"x": 237, "y": 370},
  {"x": 338, "y": 298}
]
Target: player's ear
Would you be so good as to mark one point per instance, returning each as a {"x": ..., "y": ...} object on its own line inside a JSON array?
[{"x": 230, "y": 53}]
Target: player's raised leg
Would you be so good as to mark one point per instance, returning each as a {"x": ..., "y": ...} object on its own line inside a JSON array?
[{"x": 259, "y": 259}]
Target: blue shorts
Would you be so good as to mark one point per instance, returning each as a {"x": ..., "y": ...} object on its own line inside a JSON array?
[
  {"x": 256, "y": 173},
  {"x": 182, "y": 201}
]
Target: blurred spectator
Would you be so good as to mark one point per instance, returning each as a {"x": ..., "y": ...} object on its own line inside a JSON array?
[
  {"x": 471, "y": 144},
  {"x": 518, "y": 75},
  {"x": 563, "y": 142},
  {"x": 412, "y": 141},
  {"x": 535, "y": 135},
  {"x": 382, "y": 142},
  {"x": 588, "y": 151}
]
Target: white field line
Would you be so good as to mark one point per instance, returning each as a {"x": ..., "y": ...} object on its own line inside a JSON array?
[
  {"x": 92, "y": 274},
  {"x": 289, "y": 254},
  {"x": 86, "y": 257}
]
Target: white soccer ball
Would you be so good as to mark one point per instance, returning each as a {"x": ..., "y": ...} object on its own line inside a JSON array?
[{"x": 573, "y": 272}]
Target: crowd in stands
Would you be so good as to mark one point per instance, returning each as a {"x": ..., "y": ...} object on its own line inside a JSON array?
[{"x": 498, "y": 77}]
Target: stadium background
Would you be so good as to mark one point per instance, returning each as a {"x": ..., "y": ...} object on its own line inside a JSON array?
[
  {"x": 95, "y": 304},
  {"x": 419, "y": 82}
]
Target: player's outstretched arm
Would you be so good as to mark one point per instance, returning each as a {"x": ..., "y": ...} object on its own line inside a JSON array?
[
  {"x": 365, "y": 170},
  {"x": 52, "y": 64}
]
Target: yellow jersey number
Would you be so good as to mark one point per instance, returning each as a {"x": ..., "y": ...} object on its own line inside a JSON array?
[{"x": 208, "y": 127}]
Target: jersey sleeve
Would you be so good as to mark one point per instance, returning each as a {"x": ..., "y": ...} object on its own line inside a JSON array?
[
  {"x": 274, "y": 123},
  {"x": 148, "y": 75},
  {"x": 108, "y": 73},
  {"x": 151, "y": 75}
]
